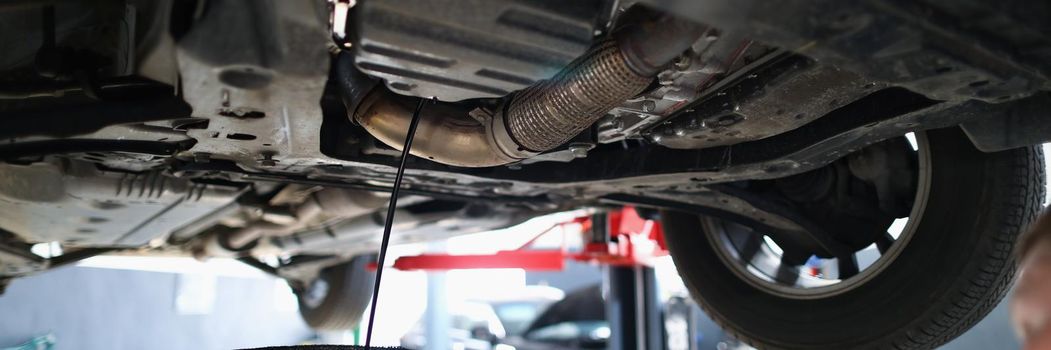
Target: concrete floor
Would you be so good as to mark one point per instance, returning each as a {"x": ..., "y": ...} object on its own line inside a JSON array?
[
  {"x": 92, "y": 308},
  {"x": 95, "y": 308}
]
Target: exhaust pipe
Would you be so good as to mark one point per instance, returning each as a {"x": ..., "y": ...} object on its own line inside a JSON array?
[
  {"x": 446, "y": 133},
  {"x": 543, "y": 116}
]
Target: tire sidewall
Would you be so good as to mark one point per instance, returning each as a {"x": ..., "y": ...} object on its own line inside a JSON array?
[
  {"x": 958, "y": 233},
  {"x": 349, "y": 291}
]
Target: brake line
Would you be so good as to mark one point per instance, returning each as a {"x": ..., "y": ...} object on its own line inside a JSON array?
[{"x": 389, "y": 220}]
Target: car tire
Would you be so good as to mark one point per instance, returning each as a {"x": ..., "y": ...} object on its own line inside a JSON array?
[
  {"x": 957, "y": 266},
  {"x": 337, "y": 299}
]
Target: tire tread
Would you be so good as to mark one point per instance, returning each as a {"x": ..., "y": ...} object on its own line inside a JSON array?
[{"x": 991, "y": 280}]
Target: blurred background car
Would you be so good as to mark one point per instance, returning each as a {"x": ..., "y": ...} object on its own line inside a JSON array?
[
  {"x": 576, "y": 322},
  {"x": 480, "y": 324}
]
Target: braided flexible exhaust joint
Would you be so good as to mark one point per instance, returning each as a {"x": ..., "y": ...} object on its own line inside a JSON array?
[
  {"x": 553, "y": 111},
  {"x": 549, "y": 113}
]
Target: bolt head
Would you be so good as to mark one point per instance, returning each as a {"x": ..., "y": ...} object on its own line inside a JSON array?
[
  {"x": 649, "y": 106},
  {"x": 683, "y": 62},
  {"x": 578, "y": 152}
]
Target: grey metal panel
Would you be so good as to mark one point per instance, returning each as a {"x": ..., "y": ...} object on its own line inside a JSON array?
[
  {"x": 72, "y": 201},
  {"x": 461, "y": 49}
]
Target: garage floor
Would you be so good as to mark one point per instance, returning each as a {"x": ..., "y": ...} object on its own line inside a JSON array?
[
  {"x": 90, "y": 308},
  {"x": 100, "y": 308}
]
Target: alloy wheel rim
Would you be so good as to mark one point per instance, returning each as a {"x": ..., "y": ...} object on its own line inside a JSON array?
[{"x": 765, "y": 271}]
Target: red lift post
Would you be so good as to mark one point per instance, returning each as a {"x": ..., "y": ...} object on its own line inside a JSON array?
[
  {"x": 631, "y": 241},
  {"x": 621, "y": 240}
]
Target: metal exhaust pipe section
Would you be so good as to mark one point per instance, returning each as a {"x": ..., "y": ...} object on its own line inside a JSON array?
[
  {"x": 446, "y": 134},
  {"x": 543, "y": 116}
]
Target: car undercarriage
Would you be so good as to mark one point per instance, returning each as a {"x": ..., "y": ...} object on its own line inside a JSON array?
[{"x": 270, "y": 131}]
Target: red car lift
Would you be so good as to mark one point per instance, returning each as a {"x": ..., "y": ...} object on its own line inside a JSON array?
[
  {"x": 621, "y": 240},
  {"x": 631, "y": 241}
]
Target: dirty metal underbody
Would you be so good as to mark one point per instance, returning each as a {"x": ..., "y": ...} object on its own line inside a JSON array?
[{"x": 786, "y": 90}]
